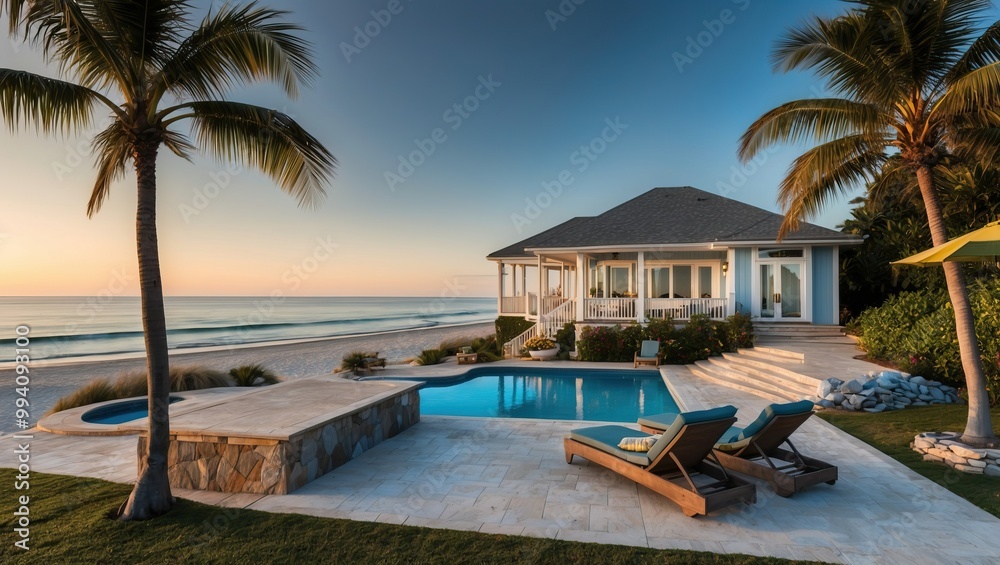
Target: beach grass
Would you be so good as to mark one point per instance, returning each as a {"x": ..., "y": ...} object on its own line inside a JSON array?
[
  {"x": 69, "y": 524},
  {"x": 891, "y": 433}
]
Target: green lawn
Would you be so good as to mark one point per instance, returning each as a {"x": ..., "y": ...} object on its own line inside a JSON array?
[
  {"x": 69, "y": 524},
  {"x": 892, "y": 432}
]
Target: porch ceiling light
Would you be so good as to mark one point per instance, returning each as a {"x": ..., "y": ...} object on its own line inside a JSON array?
[{"x": 725, "y": 266}]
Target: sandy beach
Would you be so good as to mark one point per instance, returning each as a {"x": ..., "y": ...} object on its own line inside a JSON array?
[{"x": 289, "y": 360}]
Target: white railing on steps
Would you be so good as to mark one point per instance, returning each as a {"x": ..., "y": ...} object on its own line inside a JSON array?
[{"x": 547, "y": 325}]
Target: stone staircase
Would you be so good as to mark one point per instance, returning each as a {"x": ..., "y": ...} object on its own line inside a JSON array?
[{"x": 768, "y": 372}]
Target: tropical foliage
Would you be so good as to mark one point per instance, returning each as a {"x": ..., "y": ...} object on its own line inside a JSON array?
[
  {"x": 893, "y": 223},
  {"x": 253, "y": 375},
  {"x": 914, "y": 331},
  {"x": 151, "y": 68},
  {"x": 431, "y": 357},
  {"x": 918, "y": 80}
]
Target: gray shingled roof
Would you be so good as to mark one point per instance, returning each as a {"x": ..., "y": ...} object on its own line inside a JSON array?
[
  {"x": 672, "y": 215},
  {"x": 517, "y": 249}
]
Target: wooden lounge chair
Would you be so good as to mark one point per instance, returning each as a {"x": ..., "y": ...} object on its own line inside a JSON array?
[
  {"x": 755, "y": 449},
  {"x": 466, "y": 356},
  {"x": 676, "y": 465},
  {"x": 648, "y": 354}
]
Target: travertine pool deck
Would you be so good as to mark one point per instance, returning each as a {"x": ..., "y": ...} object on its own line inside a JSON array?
[{"x": 510, "y": 476}]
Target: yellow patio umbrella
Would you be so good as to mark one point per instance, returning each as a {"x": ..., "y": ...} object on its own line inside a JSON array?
[{"x": 979, "y": 246}]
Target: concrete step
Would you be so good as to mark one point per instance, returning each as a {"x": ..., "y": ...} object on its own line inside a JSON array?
[
  {"x": 763, "y": 376},
  {"x": 706, "y": 370},
  {"x": 797, "y": 330},
  {"x": 774, "y": 354},
  {"x": 787, "y": 372}
]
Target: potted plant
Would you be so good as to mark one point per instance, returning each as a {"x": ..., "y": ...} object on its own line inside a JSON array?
[{"x": 541, "y": 347}]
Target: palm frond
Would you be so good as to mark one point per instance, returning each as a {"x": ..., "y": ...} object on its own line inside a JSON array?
[
  {"x": 977, "y": 145},
  {"x": 66, "y": 34},
  {"x": 112, "y": 150},
  {"x": 238, "y": 45},
  {"x": 50, "y": 105},
  {"x": 145, "y": 33},
  {"x": 975, "y": 90},
  {"x": 841, "y": 51},
  {"x": 825, "y": 171},
  {"x": 983, "y": 51},
  {"x": 818, "y": 120},
  {"x": 269, "y": 140},
  {"x": 14, "y": 9}
]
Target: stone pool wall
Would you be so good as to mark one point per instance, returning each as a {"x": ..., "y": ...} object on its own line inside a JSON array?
[{"x": 272, "y": 466}]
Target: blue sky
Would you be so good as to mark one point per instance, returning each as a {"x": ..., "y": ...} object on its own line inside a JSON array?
[{"x": 531, "y": 88}]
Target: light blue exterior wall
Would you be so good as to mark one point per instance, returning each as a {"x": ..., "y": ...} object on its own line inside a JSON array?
[
  {"x": 823, "y": 286},
  {"x": 743, "y": 276}
]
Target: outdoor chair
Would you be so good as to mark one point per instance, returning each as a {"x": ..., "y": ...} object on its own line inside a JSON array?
[
  {"x": 755, "y": 449},
  {"x": 678, "y": 465},
  {"x": 648, "y": 354},
  {"x": 466, "y": 356}
]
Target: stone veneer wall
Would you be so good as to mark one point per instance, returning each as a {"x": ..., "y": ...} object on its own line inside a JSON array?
[
  {"x": 270, "y": 466},
  {"x": 946, "y": 447}
]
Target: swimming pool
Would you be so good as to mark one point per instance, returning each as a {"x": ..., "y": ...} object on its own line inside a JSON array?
[
  {"x": 121, "y": 412},
  {"x": 551, "y": 394}
]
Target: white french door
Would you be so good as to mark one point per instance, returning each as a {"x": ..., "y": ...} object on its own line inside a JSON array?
[{"x": 780, "y": 290}]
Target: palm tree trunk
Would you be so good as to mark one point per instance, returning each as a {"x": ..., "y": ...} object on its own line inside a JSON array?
[
  {"x": 151, "y": 495},
  {"x": 978, "y": 428}
]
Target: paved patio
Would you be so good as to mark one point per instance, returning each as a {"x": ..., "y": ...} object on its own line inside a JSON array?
[{"x": 510, "y": 476}]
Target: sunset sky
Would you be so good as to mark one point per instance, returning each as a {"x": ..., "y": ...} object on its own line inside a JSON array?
[{"x": 538, "y": 94}]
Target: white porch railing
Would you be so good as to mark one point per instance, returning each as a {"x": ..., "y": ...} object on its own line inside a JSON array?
[
  {"x": 532, "y": 304},
  {"x": 550, "y": 303},
  {"x": 684, "y": 308},
  {"x": 609, "y": 308},
  {"x": 548, "y": 324},
  {"x": 513, "y": 304}
]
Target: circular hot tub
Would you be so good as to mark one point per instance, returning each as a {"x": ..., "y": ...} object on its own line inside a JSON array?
[{"x": 121, "y": 412}]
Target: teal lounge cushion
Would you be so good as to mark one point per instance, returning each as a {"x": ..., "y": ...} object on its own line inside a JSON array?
[
  {"x": 767, "y": 414},
  {"x": 660, "y": 421},
  {"x": 649, "y": 349},
  {"x": 684, "y": 418},
  {"x": 606, "y": 438}
]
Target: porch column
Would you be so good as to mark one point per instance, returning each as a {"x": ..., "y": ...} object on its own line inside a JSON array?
[
  {"x": 640, "y": 288},
  {"x": 541, "y": 288},
  {"x": 500, "y": 288},
  {"x": 581, "y": 285},
  {"x": 730, "y": 290}
]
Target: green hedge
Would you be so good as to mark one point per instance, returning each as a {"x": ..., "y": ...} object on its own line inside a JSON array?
[
  {"x": 916, "y": 331},
  {"x": 509, "y": 327},
  {"x": 699, "y": 339}
]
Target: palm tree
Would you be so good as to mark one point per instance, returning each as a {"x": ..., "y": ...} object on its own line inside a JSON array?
[
  {"x": 163, "y": 69},
  {"x": 915, "y": 79}
]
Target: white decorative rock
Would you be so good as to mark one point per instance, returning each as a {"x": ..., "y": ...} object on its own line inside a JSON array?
[
  {"x": 969, "y": 469},
  {"x": 852, "y": 387},
  {"x": 992, "y": 470},
  {"x": 936, "y": 459},
  {"x": 977, "y": 463},
  {"x": 917, "y": 381}
]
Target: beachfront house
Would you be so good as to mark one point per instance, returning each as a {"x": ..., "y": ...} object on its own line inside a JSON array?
[{"x": 676, "y": 252}]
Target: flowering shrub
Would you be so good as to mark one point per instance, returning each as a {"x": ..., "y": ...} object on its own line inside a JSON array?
[
  {"x": 539, "y": 343},
  {"x": 699, "y": 339}
]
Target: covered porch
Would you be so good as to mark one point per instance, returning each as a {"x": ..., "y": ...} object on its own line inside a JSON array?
[{"x": 617, "y": 286}]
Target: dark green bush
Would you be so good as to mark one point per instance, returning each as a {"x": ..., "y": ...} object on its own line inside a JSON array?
[
  {"x": 253, "y": 375},
  {"x": 509, "y": 327},
  {"x": 431, "y": 357},
  {"x": 354, "y": 360},
  {"x": 916, "y": 331},
  {"x": 739, "y": 331},
  {"x": 566, "y": 338},
  {"x": 699, "y": 339}
]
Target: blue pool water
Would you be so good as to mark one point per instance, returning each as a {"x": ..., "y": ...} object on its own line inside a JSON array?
[
  {"x": 551, "y": 394},
  {"x": 121, "y": 412}
]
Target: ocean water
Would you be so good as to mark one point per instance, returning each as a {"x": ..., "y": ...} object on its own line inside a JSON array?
[{"x": 62, "y": 327}]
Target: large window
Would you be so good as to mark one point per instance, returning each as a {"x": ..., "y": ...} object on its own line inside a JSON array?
[{"x": 681, "y": 281}]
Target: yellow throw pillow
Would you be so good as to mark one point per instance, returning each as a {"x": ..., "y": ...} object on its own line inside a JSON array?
[{"x": 638, "y": 443}]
